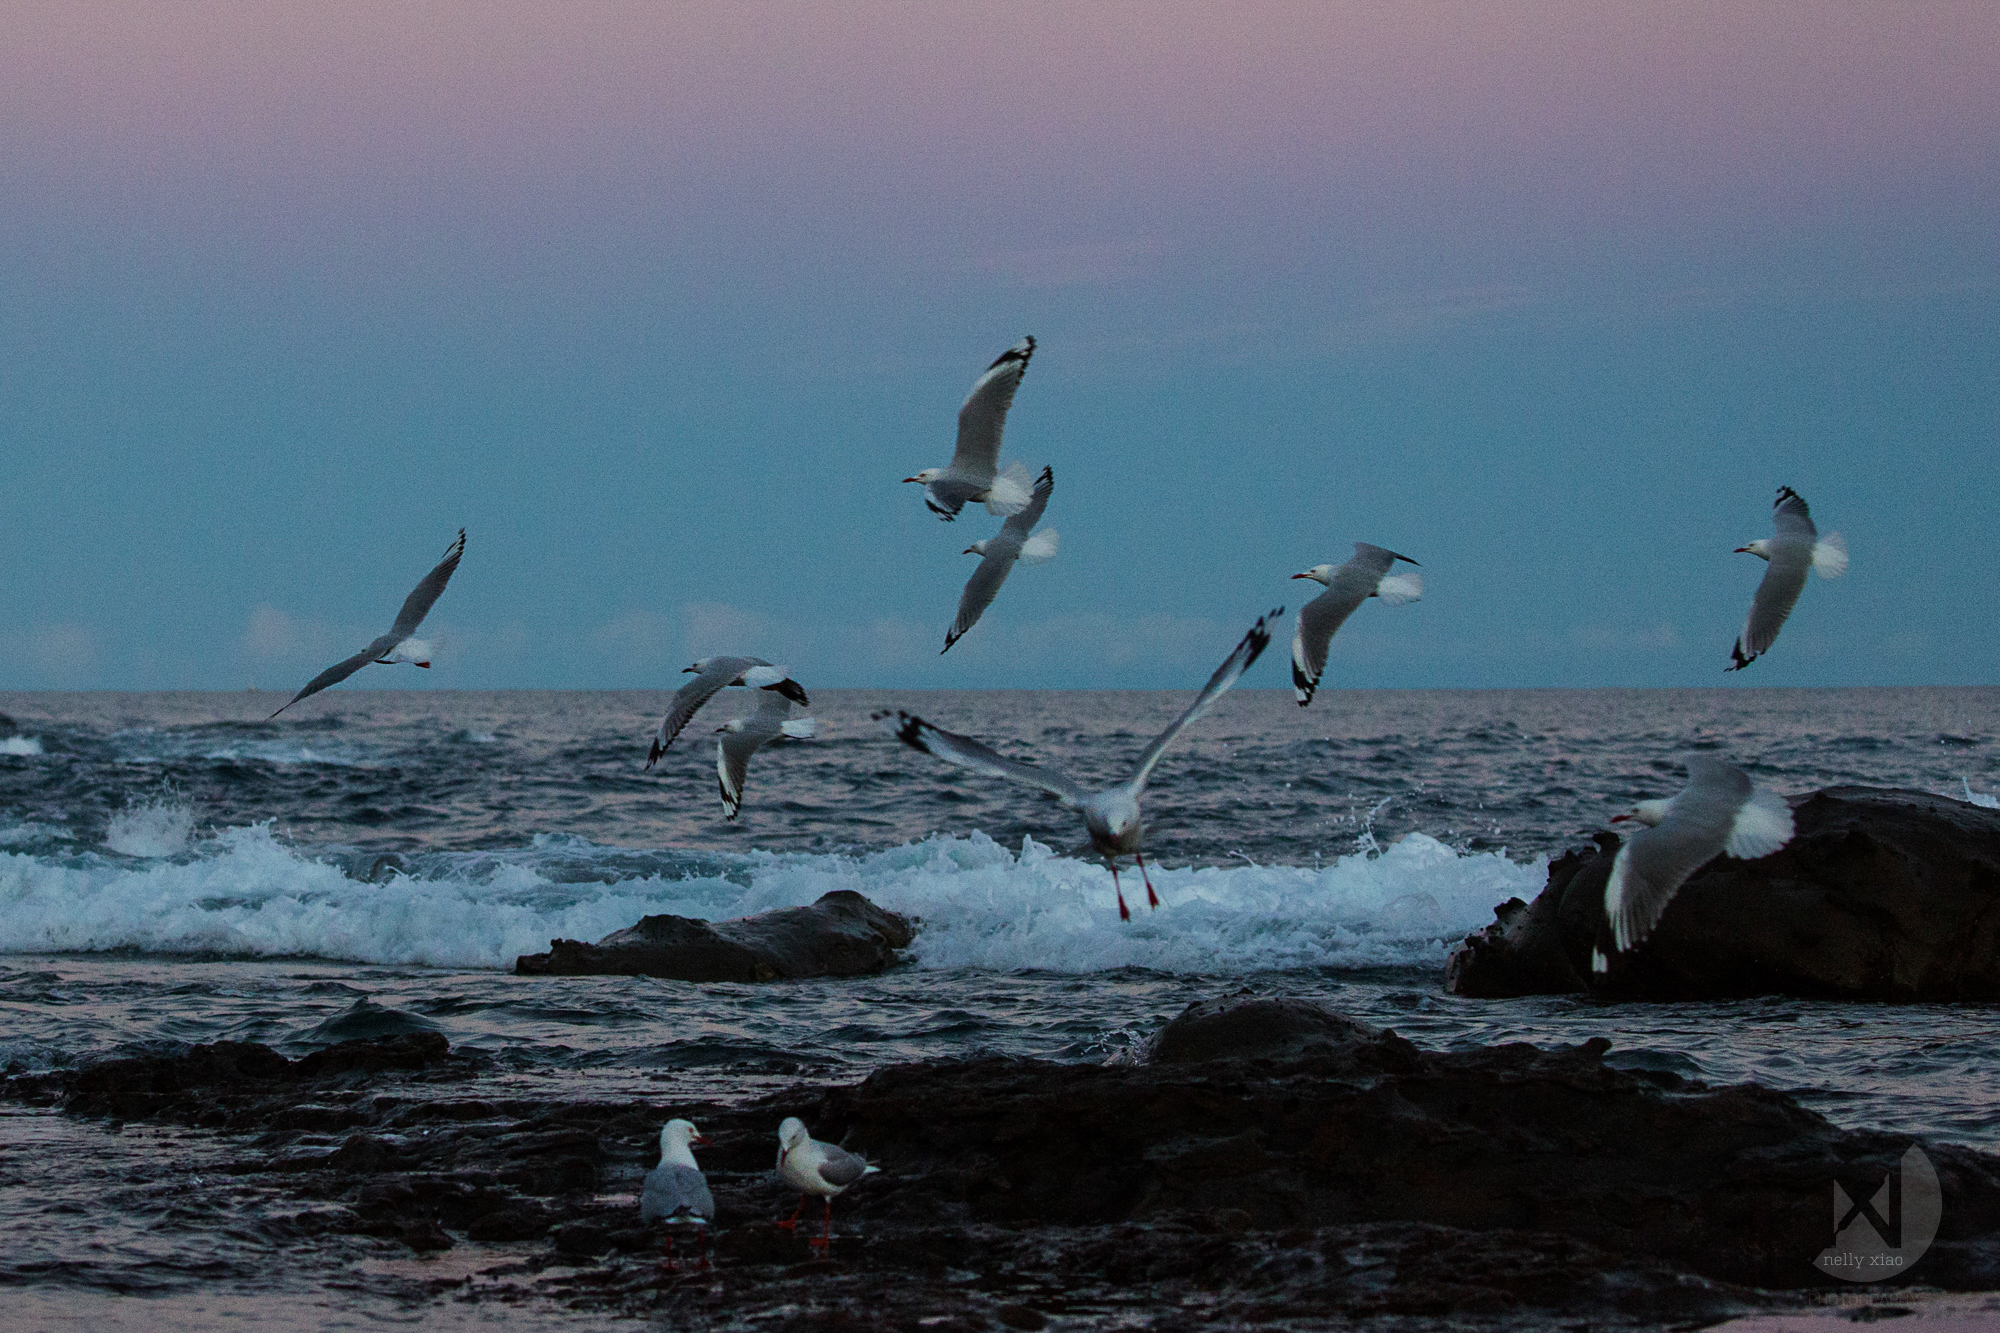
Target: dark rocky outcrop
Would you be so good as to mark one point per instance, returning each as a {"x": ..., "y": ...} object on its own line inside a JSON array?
[
  {"x": 1355, "y": 1176},
  {"x": 841, "y": 935},
  {"x": 1881, "y": 895}
]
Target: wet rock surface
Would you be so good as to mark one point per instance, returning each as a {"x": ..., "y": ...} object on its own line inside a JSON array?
[
  {"x": 1356, "y": 1177},
  {"x": 1881, "y": 895},
  {"x": 841, "y": 935}
]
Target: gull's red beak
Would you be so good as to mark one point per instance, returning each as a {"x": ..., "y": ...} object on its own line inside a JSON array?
[
  {"x": 1619, "y": 819},
  {"x": 1740, "y": 550},
  {"x": 909, "y": 479},
  {"x": 699, "y": 1140},
  {"x": 425, "y": 665},
  {"x": 1299, "y": 576}
]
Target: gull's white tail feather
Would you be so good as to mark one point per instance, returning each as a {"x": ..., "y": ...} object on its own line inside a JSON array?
[
  {"x": 1011, "y": 490},
  {"x": 1396, "y": 589},
  {"x": 1040, "y": 546},
  {"x": 1762, "y": 826},
  {"x": 800, "y": 728},
  {"x": 1830, "y": 556}
]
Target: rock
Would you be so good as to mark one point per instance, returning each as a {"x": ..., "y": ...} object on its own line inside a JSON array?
[
  {"x": 366, "y": 1020},
  {"x": 1247, "y": 1026},
  {"x": 1881, "y": 895},
  {"x": 841, "y": 935},
  {"x": 204, "y": 1083}
]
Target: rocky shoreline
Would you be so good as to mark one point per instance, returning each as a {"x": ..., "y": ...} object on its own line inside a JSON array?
[{"x": 1268, "y": 1161}]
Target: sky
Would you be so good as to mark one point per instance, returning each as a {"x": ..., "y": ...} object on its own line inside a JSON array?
[{"x": 660, "y": 302}]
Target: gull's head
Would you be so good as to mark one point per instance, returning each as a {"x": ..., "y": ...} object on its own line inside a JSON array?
[
  {"x": 792, "y": 1132},
  {"x": 1761, "y": 548},
  {"x": 977, "y": 548},
  {"x": 698, "y": 667},
  {"x": 1649, "y": 813},
  {"x": 927, "y": 476},
  {"x": 679, "y": 1133},
  {"x": 417, "y": 652},
  {"x": 733, "y": 724},
  {"x": 1318, "y": 574}
]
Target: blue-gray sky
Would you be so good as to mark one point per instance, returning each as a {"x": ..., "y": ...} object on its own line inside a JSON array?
[{"x": 659, "y": 303}]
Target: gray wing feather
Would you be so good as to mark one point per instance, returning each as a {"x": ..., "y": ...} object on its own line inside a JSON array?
[
  {"x": 418, "y": 604},
  {"x": 1226, "y": 675},
  {"x": 1655, "y": 862},
  {"x": 1002, "y": 550},
  {"x": 672, "y": 1190},
  {"x": 984, "y": 414},
  {"x": 341, "y": 670},
  {"x": 968, "y": 753},
  {"x": 1777, "y": 593},
  {"x": 841, "y": 1167},
  {"x": 689, "y": 698},
  {"x": 732, "y": 765}
]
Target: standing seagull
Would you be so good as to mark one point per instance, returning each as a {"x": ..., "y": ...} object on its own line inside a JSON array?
[
  {"x": 973, "y": 473},
  {"x": 676, "y": 1191},
  {"x": 396, "y": 645},
  {"x": 712, "y": 674},
  {"x": 744, "y": 736},
  {"x": 812, "y": 1167},
  {"x": 1012, "y": 543},
  {"x": 1112, "y": 817},
  {"x": 1366, "y": 575},
  {"x": 1795, "y": 548},
  {"x": 1720, "y": 812}
]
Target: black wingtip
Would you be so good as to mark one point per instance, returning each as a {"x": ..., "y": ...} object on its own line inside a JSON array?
[
  {"x": 1303, "y": 685},
  {"x": 1736, "y": 658},
  {"x": 1786, "y": 493},
  {"x": 792, "y": 690},
  {"x": 1023, "y": 354}
]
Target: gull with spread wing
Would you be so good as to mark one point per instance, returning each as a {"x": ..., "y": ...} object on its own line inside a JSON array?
[
  {"x": 1016, "y": 540},
  {"x": 1719, "y": 813},
  {"x": 743, "y": 736},
  {"x": 1112, "y": 817},
  {"x": 718, "y": 673},
  {"x": 1795, "y": 548},
  {"x": 1365, "y": 575},
  {"x": 974, "y": 472},
  {"x": 396, "y": 645}
]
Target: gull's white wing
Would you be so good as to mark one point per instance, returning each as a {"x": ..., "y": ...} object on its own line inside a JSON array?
[
  {"x": 984, "y": 414},
  {"x": 732, "y": 763},
  {"x": 1653, "y": 864},
  {"x": 689, "y": 698},
  {"x": 418, "y": 604},
  {"x": 1001, "y": 552},
  {"x": 1777, "y": 593},
  {"x": 968, "y": 753},
  {"x": 341, "y": 670},
  {"x": 1232, "y": 669}
]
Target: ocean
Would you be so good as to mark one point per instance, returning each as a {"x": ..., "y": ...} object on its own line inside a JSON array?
[{"x": 174, "y": 869}]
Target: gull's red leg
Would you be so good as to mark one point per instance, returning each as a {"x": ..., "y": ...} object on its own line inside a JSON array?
[
  {"x": 825, "y": 1237},
  {"x": 792, "y": 1223},
  {"x": 1152, "y": 899},
  {"x": 671, "y": 1265},
  {"x": 1124, "y": 912}
]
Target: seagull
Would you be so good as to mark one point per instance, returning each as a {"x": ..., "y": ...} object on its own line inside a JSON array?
[
  {"x": 744, "y": 736},
  {"x": 1112, "y": 817},
  {"x": 812, "y": 1168},
  {"x": 712, "y": 674},
  {"x": 1365, "y": 575},
  {"x": 676, "y": 1191},
  {"x": 972, "y": 474},
  {"x": 1795, "y": 548},
  {"x": 1719, "y": 813},
  {"x": 1012, "y": 543},
  {"x": 396, "y": 645}
]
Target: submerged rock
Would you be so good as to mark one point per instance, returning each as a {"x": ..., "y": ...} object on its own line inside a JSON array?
[
  {"x": 841, "y": 935},
  {"x": 1880, "y": 895},
  {"x": 1248, "y": 1026},
  {"x": 366, "y": 1020}
]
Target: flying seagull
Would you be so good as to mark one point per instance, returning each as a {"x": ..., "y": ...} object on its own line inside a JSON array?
[
  {"x": 676, "y": 1192},
  {"x": 712, "y": 674},
  {"x": 396, "y": 645},
  {"x": 812, "y": 1167},
  {"x": 1112, "y": 817},
  {"x": 1365, "y": 575},
  {"x": 1720, "y": 812},
  {"x": 1795, "y": 548},
  {"x": 1013, "y": 542},
  {"x": 974, "y": 474},
  {"x": 744, "y": 736}
]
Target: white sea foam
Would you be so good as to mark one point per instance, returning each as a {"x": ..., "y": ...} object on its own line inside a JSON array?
[
  {"x": 1981, "y": 798},
  {"x": 159, "y": 827},
  {"x": 246, "y": 893},
  {"x": 24, "y": 747}
]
